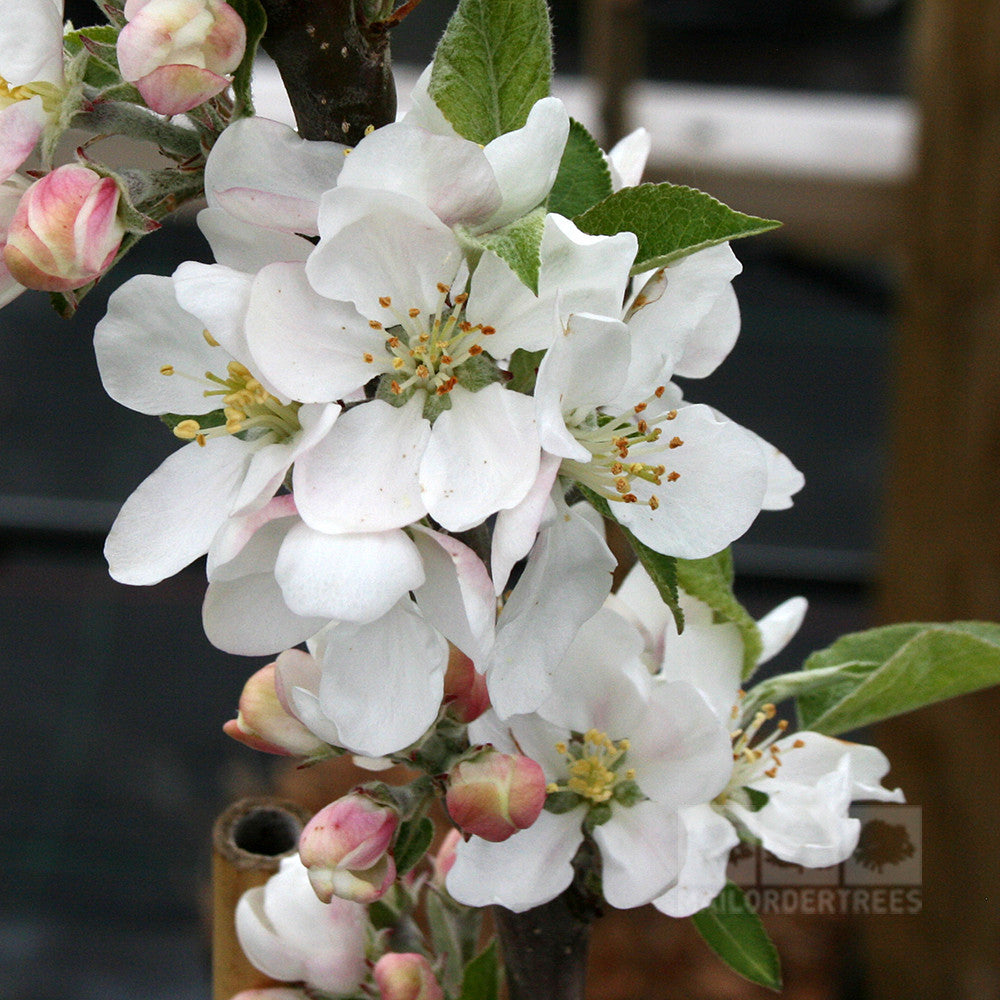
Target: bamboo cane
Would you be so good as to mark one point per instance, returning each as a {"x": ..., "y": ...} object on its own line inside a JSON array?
[{"x": 248, "y": 842}]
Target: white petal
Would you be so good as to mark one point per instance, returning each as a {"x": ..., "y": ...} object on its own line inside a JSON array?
[
  {"x": 566, "y": 580},
  {"x": 144, "y": 330},
  {"x": 172, "y": 516},
  {"x": 424, "y": 112},
  {"x": 779, "y": 625},
  {"x": 482, "y": 456},
  {"x": 525, "y": 161},
  {"x": 240, "y": 245},
  {"x": 530, "y": 735},
  {"x": 522, "y": 872},
  {"x": 353, "y": 578},
  {"x": 379, "y": 245},
  {"x": 21, "y": 125},
  {"x": 451, "y": 176},
  {"x": 249, "y": 543},
  {"x": 383, "y": 682},
  {"x": 31, "y": 41},
  {"x": 710, "y": 839},
  {"x": 783, "y": 479},
  {"x": 641, "y": 852},
  {"x": 517, "y": 527},
  {"x": 363, "y": 475},
  {"x": 267, "y": 951},
  {"x": 627, "y": 159},
  {"x": 218, "y": 297},
  {"x": 458, "y": 594}
]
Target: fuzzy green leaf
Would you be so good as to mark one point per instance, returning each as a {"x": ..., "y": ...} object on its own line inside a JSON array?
[
  {"x": 736, "y": 934},
  {"x": 670, "y": 221},
  {"x": 894, "y": 669},
  {"x": 584, "y": 178},
  {"x": 493, "y": 63},
  {"x": 519, "y": 244},
  {"x": 482, "y": 976},
  {"x": 412, "y": 842},
  {"x": 711, "y": 581},
  {"x": 255, "y": 21},
  {"x": 524, "y": 370}
]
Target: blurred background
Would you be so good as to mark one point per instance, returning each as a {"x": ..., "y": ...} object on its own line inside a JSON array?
[{"x": 867, "y": 355}]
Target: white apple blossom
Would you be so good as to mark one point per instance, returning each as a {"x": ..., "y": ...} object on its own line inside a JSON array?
[
  {"x": 31, "y": 75},
  {"x": 288, "y": 934},
  {"x": 622, "y": 754},
  {"x": 791, "y": 793}
]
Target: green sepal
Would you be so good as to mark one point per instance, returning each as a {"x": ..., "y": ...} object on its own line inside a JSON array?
[
  {"x": 737, "y": 935},
  {"x": 477, "y": 372},
  {"x": 493, "y": 63},
  {"x": 412, "y": 841},
  {"x": 583, "y": 178},
  {"x": 758, "y": 799},
  {"x": 519, "y": 245},
  {"x": 563, "y": 801},
  {"x": 711, "y": 580},
  {"x": 670, "y": 222},
  {"x": 662, "y": 569},
  {"x": 524, "y": 370},
  {"x": 628, "y": 793},
  {"x": 597, "y": 815},
  {"x": 481, "y": 978},
  {"x": 214, "y": 418},
  {"x": 255, "y": 22},
  {"x": 887, "y": 671}
]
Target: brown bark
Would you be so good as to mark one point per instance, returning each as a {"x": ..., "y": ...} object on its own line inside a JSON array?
[
  {"x": 335, "y": 66},
  {"x": 942, "y": 546}
]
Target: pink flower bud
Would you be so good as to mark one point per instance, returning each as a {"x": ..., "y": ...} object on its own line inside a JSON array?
[
  {"x": 263, "y": 724},
  {"x": 444, "y": 860},
  {"x": 493, "y": 794},
  {"x": 65, "y": 231},
  {"x": 345, "y": 847},
  {"x": 464, "y": 688},
  {"x": 406, "y": 976},
  {"x": 178, "y": 52}
]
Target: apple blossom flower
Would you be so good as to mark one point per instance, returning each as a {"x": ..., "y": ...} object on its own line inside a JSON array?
[
  {"x": 406, "y": 976},
  {"x": 622, "y": 755},
  {"x": 465, "y": 693},
  {"x": 31, "y": 75},
  {"x": 288, "y": 934},
  {"x": 178, "y": 52},
  {"x": 65, "y": 231},
  {"x": 493, "y": 795},
  {"x": 156, "y": 356},
  {"x": 263, "y": 723},
  {"x": 345, "y": 847}
]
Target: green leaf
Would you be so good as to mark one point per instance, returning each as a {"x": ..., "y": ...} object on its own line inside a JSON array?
[
  {"x": 894, "y": 669},
  {"x": 519, "y": 244},
  {"x": 584, "y": 178},
  {"x": 524, "y": 370},
  {"x": 736, "y": 934},
  {"x": 670, "y": 221},
  {"x": 255, "y": 21},
  {"x": 442, "y": 919},
  {"x": 662, "y": 569},
  {"x": 711, "y": 581},
  {"x": 482, "y": 976},
  {"x": 412, "y": 842},
  {"x": 493, "y": 63}
]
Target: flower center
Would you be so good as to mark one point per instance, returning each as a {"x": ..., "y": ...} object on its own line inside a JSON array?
[
  {"x": 248, "y": 408},
  {"x": 48, "y": 92},
  {"x": 425, "y": 351},
  {"x": 594, "y": 765},
  {"x": 625, "y": 451}
]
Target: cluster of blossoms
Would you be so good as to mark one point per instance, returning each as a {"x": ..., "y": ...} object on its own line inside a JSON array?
[{"x": 61, "y": 227}]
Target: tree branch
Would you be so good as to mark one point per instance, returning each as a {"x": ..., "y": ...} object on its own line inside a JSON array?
[{"x": 335, "y": 66}]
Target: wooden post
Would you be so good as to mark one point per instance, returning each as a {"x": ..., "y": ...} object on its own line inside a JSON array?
[
  {"x": 942, "y": 530},
  {"x": 249, "y": 840},
  {"x": 614, "y": 59}
]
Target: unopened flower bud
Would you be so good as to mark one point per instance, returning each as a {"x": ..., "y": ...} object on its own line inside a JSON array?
[
  {"x": 65, "y": 231},
  {"x": 262, "y": 722},
  {"x": 464, "y": 688},
  {"x": 493, "y": 794},
  {"x": 178, "y": 52},
  {"x": 444, "y": 860},
  {"x": 406, "y": 976},
  {"x": 346, "y": 845}
]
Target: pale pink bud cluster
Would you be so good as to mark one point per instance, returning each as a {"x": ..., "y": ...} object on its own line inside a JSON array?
[
  {"x": 65, "y": 230},
  {"x": 444, "y": 860},
  {"x": 493, "y": 795},
  {"x": 178, "y": 52},
  {"x": 346, "y": 846},
  {"x": 263, "y": 723},
  {"x": 406, "y": 976},
  {"x": 465, "y": 691}
]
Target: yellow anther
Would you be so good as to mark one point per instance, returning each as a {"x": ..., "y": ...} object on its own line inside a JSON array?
[
  {"x": 654, "y": 502},
  {"x": 675, "y": 442},
  {"x": 673, "y": 477},
  {"x": 443, "y": 288},
  {"x": 167, "y": 370},
  {"x": 398, "y": 363},
  {"x": 384, "y": 301},
  {"x": 672, "y": 415},
  {"x": 187, "y": 430},
  {"x": 209, "y": 339},
  {"x": 413, "y": 313},
  {"x": 368, "y": 358},
  {"x": 488, "y": 331},
  {"x": 561, "y": 747},
  {"x": 375, "y": 324}
]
